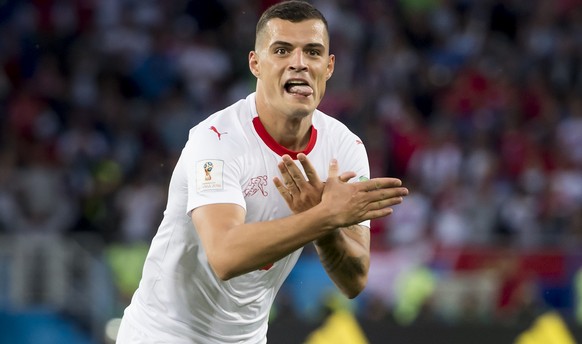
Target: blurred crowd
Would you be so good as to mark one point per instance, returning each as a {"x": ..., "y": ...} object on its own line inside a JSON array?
[{"x": 477, "y": 105}]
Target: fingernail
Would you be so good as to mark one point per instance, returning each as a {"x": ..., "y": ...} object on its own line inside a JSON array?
[{"x": 333, "y": 162}]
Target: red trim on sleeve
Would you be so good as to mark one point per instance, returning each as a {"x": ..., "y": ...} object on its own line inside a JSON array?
[{"x": 276, "y": 147}]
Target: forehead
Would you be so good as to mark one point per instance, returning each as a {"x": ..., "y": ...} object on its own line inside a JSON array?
[{"x": 304, "y": 32}]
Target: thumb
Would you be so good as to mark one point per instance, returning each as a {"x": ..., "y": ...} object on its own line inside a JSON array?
[{"x": 346, "y": 176}]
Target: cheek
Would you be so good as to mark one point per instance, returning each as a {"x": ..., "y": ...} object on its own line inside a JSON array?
[
  {"x": 271, "y": 77},
  {"x": 321, "y": 91},
  {"x": 321, "y": 85}
]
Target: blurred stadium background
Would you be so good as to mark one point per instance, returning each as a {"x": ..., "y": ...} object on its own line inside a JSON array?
[{"x": 475, "y": 104}]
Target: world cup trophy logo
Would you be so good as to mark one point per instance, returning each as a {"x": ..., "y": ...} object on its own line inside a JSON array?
[{"x": 207, "y": 169}]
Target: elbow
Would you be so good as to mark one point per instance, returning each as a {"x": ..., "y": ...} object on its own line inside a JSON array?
[
  {"x": 226, "y": 267},
  {"x": 352, "y": 296},
  {"x": 358, "y": 280},
  {"x": 356, "y": 288},
  {"x": 223, "y": 275},
  {"x": 353, "y": 293},
  {"x": 221, "y": 268}
]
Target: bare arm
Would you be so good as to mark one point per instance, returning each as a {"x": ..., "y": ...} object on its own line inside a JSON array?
[
  {"x": 345, "y": 256},
  {"x": 234, "y": 247},
  {"x": 344, "y": 252}
]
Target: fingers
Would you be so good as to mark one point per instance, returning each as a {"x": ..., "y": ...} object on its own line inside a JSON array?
[
  {"x": 283, "y": 190},
  {"x": 381, "y": 195},
  {"x": 387, "y": 197},
  {"x": 292, "y": 177},
  {"x": 381, "y": 208},
  {"x": 380, "y": 183},
  {"x": 333, "y": 170},
  {"x": 385, "y": 202},
  {"x": 346, "y": 176},
  {"x": 310, "y": 171},
  {"x": 376, "y": 214}
]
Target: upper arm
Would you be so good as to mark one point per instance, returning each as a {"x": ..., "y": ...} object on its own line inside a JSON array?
[
  {"x": 212, "y": 171},
  {"x": 361, "y": 234},
  {"x": 212, "y": 223}
]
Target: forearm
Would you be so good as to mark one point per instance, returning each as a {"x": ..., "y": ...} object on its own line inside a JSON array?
[
  {"x": 246, "y": 247},
  {"x": 234, "y": 247},
  {"x": 345, "y": 255}
]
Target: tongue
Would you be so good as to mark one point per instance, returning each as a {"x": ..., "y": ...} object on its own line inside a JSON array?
[{"x": 302, "y": 90}]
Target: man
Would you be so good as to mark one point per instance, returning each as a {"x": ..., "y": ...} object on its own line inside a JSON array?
[{"x": 241, "y": 209}]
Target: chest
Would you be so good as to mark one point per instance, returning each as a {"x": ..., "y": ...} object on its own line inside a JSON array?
[{"x": 259, "y": 168}]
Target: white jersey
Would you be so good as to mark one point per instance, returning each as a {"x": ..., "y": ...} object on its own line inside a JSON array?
[{"x": 229, "y": 158}]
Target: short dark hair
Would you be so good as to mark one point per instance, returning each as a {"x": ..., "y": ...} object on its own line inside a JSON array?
[{"x": 294, "y": 11}]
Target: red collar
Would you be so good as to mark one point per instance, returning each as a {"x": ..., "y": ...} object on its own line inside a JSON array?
[{"x": 276, "y": 147}]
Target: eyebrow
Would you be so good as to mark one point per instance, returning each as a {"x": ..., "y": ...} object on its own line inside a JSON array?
[{"x": 308, "y": 45}]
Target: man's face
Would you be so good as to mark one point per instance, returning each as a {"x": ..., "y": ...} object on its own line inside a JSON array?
[{"x": 292, "y": 64}]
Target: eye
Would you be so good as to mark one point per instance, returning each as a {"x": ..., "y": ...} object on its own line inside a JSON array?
[
  {"x": 314, "y": 52},
  {"x": 280, "y": 51}
]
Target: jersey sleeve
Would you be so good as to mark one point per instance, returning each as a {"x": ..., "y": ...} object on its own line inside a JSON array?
[
  {"x": 353, "y": 157},
  {"x": 213, "y": 173}
]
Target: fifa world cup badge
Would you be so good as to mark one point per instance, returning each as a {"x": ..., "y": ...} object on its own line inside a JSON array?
[
  {"x": 207, "y": 169},
  {"x": 209, "y": 175}
]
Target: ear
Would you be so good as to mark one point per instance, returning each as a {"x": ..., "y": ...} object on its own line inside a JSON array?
[
  {"x": 330, "y": 66},
  {"x": 254, "y": 64}
]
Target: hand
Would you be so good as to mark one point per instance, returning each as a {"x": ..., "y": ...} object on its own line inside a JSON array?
[
  {"x": 299, "y": 193},
  {"x": 352, "y": 203}
]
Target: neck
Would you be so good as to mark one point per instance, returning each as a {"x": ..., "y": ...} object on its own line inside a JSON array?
[
  {"x": 291, "y": 133},
  {"x": 290, "y": 130},
  {"x": 278, "y": 148}
]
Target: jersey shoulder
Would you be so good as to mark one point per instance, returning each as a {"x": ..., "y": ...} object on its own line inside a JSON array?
[
  {"x": 226, "y": 126},
  {"x": 333, "y": 128}
]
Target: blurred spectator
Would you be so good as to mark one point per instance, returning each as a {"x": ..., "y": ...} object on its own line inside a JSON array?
[
  {"x": 43, "y": 212},
  {"x": 139, "y": 203},
  {"x": 451, "y": 226},
  {"x": 44, "y": 204},
  {"x": 518, "y": 219},
  {"x": 204, "y": 67},
  {"x": 518, "y": 297},
  {"x": 569, "y": 130},
  {"x": 564, "y": 199},
  {"x": 7, "y": 196},
  {"x": 177, "y": 115},
  {"x": 475, "y": 104},
  {"x": 409, "y": 225},
  {"x": 437, "y": 164}
]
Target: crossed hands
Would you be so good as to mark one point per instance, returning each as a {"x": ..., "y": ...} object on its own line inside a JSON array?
[{"x": 350, "y": 203}]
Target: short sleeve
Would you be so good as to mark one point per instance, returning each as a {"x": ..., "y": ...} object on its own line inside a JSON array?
[
  {"x": 353, "y": 157},
  {"x": 213, "y": 172}
]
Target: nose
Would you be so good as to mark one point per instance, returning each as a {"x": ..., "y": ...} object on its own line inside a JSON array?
[{"x": 297, "y": 62}]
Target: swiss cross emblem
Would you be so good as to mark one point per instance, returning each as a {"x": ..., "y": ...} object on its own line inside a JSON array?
[{"x": 256, "y": 185}]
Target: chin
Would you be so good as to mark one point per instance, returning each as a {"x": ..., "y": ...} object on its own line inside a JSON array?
[
  {"x": 301, "y": 112},
  {"x": 300, "y": 102}
]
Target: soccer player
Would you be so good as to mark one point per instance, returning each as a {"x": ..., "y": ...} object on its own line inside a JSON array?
[{"x": 255, "y": 183}]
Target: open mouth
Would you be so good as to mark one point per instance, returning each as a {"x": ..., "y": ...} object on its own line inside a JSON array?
[{"x": 299, "y": 87}]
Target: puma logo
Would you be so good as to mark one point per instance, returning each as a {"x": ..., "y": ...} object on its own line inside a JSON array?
[{"x": 218, "y": 133}]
